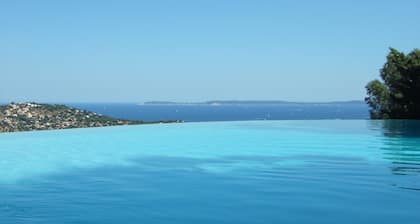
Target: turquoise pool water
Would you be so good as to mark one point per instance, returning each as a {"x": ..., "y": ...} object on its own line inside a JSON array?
[{"x": 326, "y": 171}]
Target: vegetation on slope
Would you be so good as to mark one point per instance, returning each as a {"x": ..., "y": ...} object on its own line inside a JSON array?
[{"x": 33, "y": 116}]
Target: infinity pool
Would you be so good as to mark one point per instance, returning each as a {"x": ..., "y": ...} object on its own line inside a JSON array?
[{"x": 326, "y": 171}]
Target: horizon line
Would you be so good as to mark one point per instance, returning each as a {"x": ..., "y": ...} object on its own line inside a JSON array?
[{"x": 176, "y": 102}]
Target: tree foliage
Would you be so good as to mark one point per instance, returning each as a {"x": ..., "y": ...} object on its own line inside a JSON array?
[{"x": 398, "y": 96}]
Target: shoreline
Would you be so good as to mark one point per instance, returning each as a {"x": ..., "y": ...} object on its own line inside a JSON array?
[{"x": 30, "y": 116}]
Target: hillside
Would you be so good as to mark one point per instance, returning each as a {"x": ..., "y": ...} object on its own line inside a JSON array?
[{"x": 34, "y": 116}]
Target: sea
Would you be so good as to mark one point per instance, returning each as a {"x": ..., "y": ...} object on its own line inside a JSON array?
[{"x": 230, "y": 112}]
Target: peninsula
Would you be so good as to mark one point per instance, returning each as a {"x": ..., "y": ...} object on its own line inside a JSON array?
[{"x": 35, "y": 116}]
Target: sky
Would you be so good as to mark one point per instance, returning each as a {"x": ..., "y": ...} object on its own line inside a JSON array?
[{"x": 178, "y": 50}]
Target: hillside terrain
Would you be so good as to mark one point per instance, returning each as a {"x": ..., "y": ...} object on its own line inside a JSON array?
[{"x": 34, "y": 116}]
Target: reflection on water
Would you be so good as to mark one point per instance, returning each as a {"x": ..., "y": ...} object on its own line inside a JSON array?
[
  {"x": 164, "y": 190},
  {"x": 401, "y": 128},
  {"x": 402, "y": 148}
]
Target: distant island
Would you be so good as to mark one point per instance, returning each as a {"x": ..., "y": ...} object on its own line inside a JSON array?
[
  {"x": 241, "y": 102},
  {"x": 35, "y": 116}
]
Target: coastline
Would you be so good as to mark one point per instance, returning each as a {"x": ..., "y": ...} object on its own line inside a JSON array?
[{"x": 18, "y": 117}]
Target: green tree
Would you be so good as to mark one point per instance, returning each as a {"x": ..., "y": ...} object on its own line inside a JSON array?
[
  {"x": 398, "y": 96},
  {"x": 378, "y": 99}
]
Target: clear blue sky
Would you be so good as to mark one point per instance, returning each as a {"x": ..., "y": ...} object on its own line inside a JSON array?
[{"x": 134, "y": 51}]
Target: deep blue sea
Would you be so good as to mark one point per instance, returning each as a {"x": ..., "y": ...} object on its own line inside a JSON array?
[
  {"x": 230, "y": 112},
  {"x": 294, "y": 171}
]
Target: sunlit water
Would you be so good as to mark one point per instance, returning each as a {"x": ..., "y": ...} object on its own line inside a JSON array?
[{"x": 327, "y": 171}]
